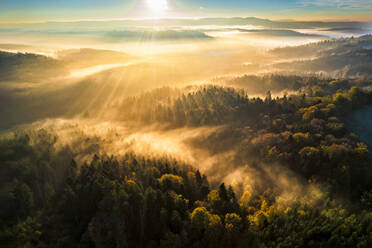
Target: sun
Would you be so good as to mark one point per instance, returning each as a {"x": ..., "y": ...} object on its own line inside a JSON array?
[{"x": 157, "y": 7}]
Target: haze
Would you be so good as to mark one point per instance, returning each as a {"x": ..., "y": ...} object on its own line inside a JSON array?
[{"x": 171, "y": 123}]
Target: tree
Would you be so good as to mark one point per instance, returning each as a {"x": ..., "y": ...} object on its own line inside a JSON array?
[{"x": 171, "y": 182}]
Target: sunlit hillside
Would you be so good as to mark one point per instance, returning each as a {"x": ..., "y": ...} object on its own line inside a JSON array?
[{"x": 173, "y": 123}]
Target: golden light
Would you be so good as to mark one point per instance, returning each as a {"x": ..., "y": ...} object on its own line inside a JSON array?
[{"x": 157, "y": 8}]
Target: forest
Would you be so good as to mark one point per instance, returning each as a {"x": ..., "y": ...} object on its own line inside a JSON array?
[
  {"x": 133, "y": 200},
  {"x": 192, "y": 137}
]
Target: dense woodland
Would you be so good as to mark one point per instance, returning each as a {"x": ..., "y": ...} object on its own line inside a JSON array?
[
  {"x": 306, "y": 178},
  {"x": 323, "y": 47},
  {"x": 347, "y": 57},
  {"x": 144, "y": 201},
  {"x": 21, "y": 66}
]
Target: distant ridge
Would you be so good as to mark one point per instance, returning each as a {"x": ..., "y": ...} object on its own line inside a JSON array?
[{"x": 266, "y": 23}]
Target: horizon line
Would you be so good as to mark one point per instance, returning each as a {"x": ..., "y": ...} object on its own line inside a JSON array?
[{"x": 180, "y": 18}]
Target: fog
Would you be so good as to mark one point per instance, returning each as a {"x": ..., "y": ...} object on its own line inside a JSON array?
[{"x": 69, "y": 81}]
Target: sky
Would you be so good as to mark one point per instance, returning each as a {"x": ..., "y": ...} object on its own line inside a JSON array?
[{"x": 69, "y": 10}]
